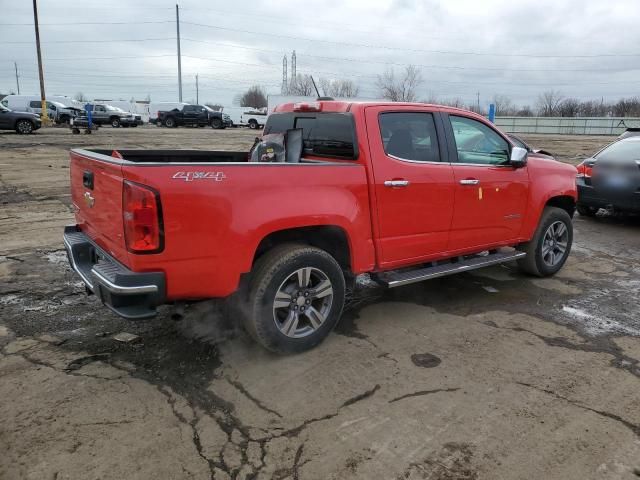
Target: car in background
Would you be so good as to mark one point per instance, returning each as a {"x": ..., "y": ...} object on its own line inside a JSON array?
[
  {"x": 56, "y": 111},
  {"x": 630, "y": 132},
  {"x": 610, "y": 179},
  {"x": 519, "y": 142},
  {"x": 155, "y": 107},
  {"x": 194, "y": 116},
  {"x": 110, "y": 115},
  {"x": 247, "y": 117},
  {"x": 21, "y": 122}
]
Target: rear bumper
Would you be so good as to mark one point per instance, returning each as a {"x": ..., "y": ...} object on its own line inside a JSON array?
[
  {"x": 590, "y": 197},
  {"x": 130, "y": 294}
]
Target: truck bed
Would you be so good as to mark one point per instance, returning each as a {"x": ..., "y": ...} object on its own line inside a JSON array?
[{"x": 176, "y": 156}]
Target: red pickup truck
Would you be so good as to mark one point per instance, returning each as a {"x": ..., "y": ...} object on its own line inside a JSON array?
[{"x": 405, "y": 192}]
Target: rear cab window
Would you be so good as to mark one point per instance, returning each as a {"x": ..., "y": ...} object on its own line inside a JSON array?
[{"x": 330, "y": 135}]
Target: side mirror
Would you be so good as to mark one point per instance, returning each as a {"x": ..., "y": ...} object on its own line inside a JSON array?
[{"x": 518, "y": 157}]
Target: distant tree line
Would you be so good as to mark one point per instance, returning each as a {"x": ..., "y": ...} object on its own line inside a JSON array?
[{"x": 404, "y": 87}]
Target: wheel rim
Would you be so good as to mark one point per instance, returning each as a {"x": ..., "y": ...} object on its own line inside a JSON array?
[
  {"x": 555, "y": 243},
  {"x": 303, "y": 302},
  {"x": 115, "y": 124},
  {"x": 24, "y": 127}
]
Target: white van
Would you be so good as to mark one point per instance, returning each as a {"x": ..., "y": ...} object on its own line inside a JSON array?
[
  {"x": 155, "y": 107},
  {"x": 59, "y": 108}
]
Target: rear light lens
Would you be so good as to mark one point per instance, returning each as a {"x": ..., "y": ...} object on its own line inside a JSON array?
[
  {"x": 585, "y": 169},
  {"x": 142, "y": 217},
  {"x": 307, "y": 107}
]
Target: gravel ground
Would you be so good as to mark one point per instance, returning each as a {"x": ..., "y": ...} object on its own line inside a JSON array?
[{"x": 491, "y": 375}]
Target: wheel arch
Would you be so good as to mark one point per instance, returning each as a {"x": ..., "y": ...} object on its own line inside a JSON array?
[
  {"x": 565, "y": 202},
  {"x": 331, "y": 238}
]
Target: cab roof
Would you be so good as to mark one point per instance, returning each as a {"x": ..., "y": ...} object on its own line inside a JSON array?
[{"x": 341, "y": 106}]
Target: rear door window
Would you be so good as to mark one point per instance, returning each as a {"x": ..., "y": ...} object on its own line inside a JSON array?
[
  {"x": 410, "y": 136},
  {"x": 324, "y": 134}
]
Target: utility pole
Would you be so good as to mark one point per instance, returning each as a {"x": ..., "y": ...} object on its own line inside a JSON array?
[
  {"x": 197, "y": 91},
  {"x": 478, "y": 94},
  {"x": 179, "y": 56},
  {"x": 15, "y": 64},
  {"x": 45, "y": 117}
]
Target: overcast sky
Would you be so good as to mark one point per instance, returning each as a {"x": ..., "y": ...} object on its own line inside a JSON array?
[{"x": 120, "y": 49}]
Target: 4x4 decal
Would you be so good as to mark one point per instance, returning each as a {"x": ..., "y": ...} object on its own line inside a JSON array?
[{"x": 190, "y": 176}]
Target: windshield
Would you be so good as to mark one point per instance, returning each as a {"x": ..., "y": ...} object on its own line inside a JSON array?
[
  {"x": 621, "y": 151},
  {"x": 110, "y": 108},
  {"x": 3, "y": 108},
  {"x": 58, "y": 104}
]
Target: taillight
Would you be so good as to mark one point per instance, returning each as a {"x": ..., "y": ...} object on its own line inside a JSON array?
[
  {"x": 142, "y": 217},
  {"x": 307, "y": 107},
  {"x": 585, "y": 169}
]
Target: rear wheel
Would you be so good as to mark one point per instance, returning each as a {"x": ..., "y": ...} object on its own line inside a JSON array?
[
  {"x": 296, "y": 295},
  {"x": 586, "y": 211},
  {"x": 550, "y": 246},
  {"x": 170, "y": 123},
  {"x": 24, "y": 127}
]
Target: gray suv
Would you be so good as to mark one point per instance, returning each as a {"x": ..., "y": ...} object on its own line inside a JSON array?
[{"x": 21, "y": 122}]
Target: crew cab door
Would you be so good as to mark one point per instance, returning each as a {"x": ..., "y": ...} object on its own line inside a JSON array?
[
  {"x": 491, "y": 195},
  {"x": 413, "y": 183}
]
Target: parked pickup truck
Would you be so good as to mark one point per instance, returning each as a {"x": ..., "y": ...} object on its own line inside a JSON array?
[
  {"x": 405, "y": 192},
  {"x": 195, "y": 116},
  {"x": 109, "y": 115}
]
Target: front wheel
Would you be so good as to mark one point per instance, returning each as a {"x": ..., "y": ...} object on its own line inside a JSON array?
[
  {"x": 550, "y": 246},
  {"x": 216, "y": 123},
  {"x": 115, "y": 122},
  {"x": 24, "y": 127},
  {"x": 296, "y": 296}
]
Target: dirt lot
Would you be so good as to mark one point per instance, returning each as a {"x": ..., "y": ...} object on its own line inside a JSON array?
[{"x": 491, "y": 375}]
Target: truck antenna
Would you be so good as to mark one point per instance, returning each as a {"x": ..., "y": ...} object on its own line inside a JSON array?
[{"x": 314, "y": 85}]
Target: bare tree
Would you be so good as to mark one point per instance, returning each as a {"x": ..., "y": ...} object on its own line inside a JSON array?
[
  {"x": 401, "y": 89},
  {"x": 525, "y": 111},
  {"x": 453, "y": 102},
  {"x": 569, "y": 107},
  {"x": 548, "y": 103},
  {"x": 302, "y": 85},
  {"x": 254, "y": 97},
  {"x": 338, "y": 88},
  {"x": 80, "y": 97},
  {"x": 504, "y": 105}
]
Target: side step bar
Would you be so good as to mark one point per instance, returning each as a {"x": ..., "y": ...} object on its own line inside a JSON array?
[{"x": 405, "y": 277}]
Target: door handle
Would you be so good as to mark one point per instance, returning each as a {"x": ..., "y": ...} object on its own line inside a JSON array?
[
  {"x": 396, "y": 183},
  {"x": 470, "y": 181}
]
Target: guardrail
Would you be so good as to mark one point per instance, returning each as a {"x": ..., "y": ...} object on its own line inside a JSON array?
[{"x": 567, "y": 125}]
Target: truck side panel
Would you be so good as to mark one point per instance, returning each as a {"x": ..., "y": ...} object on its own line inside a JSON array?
[
  {"x": 215, "y": 216},
  {"x": 549, "y": 179}
]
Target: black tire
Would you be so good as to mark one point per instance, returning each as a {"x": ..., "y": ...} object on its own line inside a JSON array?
[
  {"x": 75, "y": 131},
  {"x": 115, "y": 122},
  {"x": 253, "y": 125},
  {"x": 64, "y": 119},
  {"x": 24, "y": 127},
  {"x": 586, "y": 211},
  {"x": 534, "y": 263},
  {"x": 216, "y": 123},
  {"x": 268, "y": 277},
  {"x": 170, "y": 122}
]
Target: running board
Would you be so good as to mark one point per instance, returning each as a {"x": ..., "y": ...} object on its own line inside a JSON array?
[{"x": 405, "y": 277}]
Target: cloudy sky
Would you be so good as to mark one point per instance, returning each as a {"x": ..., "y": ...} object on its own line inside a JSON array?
[{"x": 119, "y": 49}]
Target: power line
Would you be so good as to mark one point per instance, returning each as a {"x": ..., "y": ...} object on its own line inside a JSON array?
[
  {"x": 404, "y": 49},
  {"x": 97, "y": 41},
  {"x": 83, "y": 23}
]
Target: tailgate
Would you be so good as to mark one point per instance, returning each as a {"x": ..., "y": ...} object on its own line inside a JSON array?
[{"x": 96, "y": 193}]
